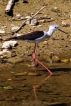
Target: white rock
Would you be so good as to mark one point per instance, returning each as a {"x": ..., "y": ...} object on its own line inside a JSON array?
[
  {"x": 3, "y": 27},
  {"x": 14, "y": 27},
  {"x": 5, "y": 53},
  {"x": 18, "y": 15},
  {"x": 18, "y": 34},
  {"x": 2, "y": 31},
  {"x": 9, "y": 44},
  {"x": 45, "y": 42},
  {"x": 66, "y": 23},
  {"x": 55, "y": 8},
  {"x": 28, "y": 17},
  {"x": 34, "y": 22}
]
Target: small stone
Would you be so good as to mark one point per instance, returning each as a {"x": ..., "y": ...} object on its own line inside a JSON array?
[
  {"x": 2, "y": 31},
  {"x": 55, "y": 9},
  {"x": 5, "y": 53},
  {"x": 34, "y": 22},
  {"x": 30, "y": 21},
  {"x": 42, "y": 21},
  {"x": 66, "y": 23},
  {"x": 9, "y": 44},
  {"x": 9, "y": 79},
  {"x": 3, "y": 27},
  {"x": 28, "y": 17},
  {"x": 45, "y": 42},
  {"x": 14, "y": 27},
  {"x": 18, "y": 15}
]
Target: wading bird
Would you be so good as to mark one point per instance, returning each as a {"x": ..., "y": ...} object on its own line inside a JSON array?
[{"x": 37, "y": 37}]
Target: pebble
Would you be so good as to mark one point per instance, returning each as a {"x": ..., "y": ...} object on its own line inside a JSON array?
[
  {"x": 55, "y": 9},
  {"x": 31, "y": 22},
  {"x": 28, "y": 17},
  {"x": 18, "y": 15},
  {"x": 42, "y": 21},
  {"x": 3, "y": 27},
  {"x": 66, "y": 23},
  {"x": 45, "y": 42},
  {"x": 13, "y": 27},
  {"x": 34, "y": 22},
  {"x": 5, "y": 53},
  {"x": 2, "y": 31},
  {"x": 9, "y": 44}
]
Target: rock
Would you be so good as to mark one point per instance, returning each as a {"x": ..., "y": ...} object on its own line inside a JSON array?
[
  {"x": 45, "y": 42},
  {"x": 28, "y": 17},
  {"x": 30, "y": 21},
  {"x": 9, "y": 44},
  {"x": 18, "y": 15},
  {"x": 42, "y": 21},
  {"x": 66, "y": 23},
  {"x": 5, "y": 53},
  {"x": 34, "y": 22},
  {"x": 3, "y": 27},
  {"x": 2, "y": 31},
  {"x": 55, "y": 9},
  {"x": 13, "y": 27}
]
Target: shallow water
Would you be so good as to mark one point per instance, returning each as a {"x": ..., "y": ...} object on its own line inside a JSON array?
[{"x": 56, "y": 90}]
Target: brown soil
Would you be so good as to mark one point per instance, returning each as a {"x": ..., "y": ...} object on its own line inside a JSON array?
[{"x": 56, "y": 90}]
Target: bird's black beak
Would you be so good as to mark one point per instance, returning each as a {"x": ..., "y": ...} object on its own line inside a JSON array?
[{"x": 63, "y": 31}]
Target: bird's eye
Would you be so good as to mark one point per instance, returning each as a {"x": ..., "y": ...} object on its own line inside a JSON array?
[{"x": 56, "y": 27}]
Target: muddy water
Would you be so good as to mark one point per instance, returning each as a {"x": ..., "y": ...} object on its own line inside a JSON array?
[{"x": 56, "y": 90}]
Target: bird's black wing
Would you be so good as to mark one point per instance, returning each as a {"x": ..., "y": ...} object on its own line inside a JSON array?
[{"x": 30, "y": 36}]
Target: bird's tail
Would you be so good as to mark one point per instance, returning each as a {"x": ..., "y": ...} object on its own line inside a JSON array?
[
  {"x": 12, "y": 38},
  {"x": 7, "y": 39}
]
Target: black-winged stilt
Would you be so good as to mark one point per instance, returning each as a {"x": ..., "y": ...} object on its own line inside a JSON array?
[{"x": 37, "y": 37}]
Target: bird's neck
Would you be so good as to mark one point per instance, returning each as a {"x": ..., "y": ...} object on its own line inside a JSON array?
[{"x": 50, "y": 32}]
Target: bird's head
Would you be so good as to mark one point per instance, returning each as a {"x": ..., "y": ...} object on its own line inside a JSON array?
[{"x": 55, "y": 27}]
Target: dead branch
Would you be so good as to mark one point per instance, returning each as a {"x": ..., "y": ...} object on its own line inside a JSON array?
[
  {"x": 28, "y": 20},
  {"x": 25, "y": 22},
  {"x": 9, "y": 6}
]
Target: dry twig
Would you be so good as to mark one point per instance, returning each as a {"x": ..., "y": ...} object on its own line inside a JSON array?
[
  {"x": 9, "y": 6},
  {"x": 29, "y": 19},
  {"x": 25, "y": 22}
]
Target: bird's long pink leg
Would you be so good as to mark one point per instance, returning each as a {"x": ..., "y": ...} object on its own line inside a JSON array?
[{"x": 35, "y": 59}]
